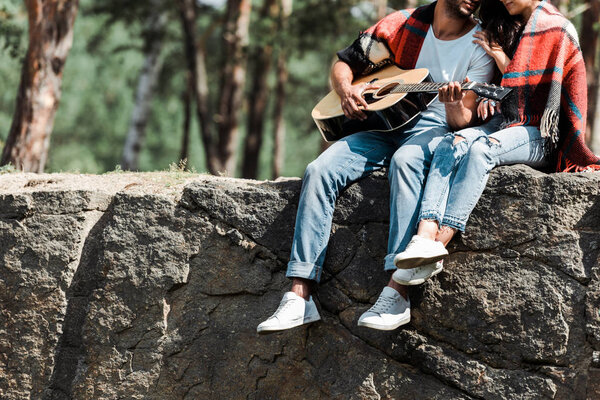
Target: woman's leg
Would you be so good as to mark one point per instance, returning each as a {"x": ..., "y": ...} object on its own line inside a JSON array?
[
  {"x": 441, "y": 176},
  {"x": 423, "y": 248},
  {"x": 515, "y": 145}
]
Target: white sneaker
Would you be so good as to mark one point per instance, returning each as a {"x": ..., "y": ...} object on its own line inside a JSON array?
[
  {"x": 292, "y": 311},
  {"x": 418, "y": 275},
  {"x": 389, "y": 311},
  {"x": 420, "y": 251}
]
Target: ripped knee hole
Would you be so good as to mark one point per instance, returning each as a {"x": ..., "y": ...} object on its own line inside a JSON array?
[{"x": 457, "y": 140}]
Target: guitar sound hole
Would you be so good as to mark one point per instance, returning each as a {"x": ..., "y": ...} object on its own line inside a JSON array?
[
  {"x": 369, "y": 98},
  {"x": 387, "y": 89}
]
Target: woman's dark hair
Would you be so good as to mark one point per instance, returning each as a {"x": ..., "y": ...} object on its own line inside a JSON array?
[{"x": 502, "y": 27}]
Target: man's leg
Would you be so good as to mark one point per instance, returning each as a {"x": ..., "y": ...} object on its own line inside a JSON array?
[
  {"x": 346, "y": 161},
  {"x": 407, "y": 172}
]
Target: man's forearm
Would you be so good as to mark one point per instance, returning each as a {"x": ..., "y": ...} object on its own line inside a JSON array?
[
  {"x": 351, "y": 99},
  {"x": 341, "y": 77},
  {"x": 462, "y": 113}
]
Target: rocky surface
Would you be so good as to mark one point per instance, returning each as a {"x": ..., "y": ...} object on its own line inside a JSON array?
[{"x": 132, "y": 286}]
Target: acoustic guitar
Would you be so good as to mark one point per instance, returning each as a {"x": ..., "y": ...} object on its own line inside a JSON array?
[{"x": 400, "y": 96}]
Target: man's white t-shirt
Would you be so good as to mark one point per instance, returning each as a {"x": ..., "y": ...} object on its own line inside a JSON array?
[{"x": 453, "y": 60}]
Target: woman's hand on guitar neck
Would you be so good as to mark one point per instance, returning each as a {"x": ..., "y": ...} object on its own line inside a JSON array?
[{"x": 487, "y": 108}]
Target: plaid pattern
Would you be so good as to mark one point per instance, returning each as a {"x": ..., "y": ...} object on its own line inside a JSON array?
[
  {"x": 547, "y": 75},
  {"x": 397, "y": 39}
]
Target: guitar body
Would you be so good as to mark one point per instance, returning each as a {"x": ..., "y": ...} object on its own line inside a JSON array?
[{"x": 384, "y": 114}]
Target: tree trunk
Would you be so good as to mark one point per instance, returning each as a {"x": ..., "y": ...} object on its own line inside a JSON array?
[
  {"x": 589, "y": 48},
  {"x": 595, "y": 136},
  {"x": 411, "y": 3},
  {"x": 187, "y": 118},
  {"x": 50, "y": 39},
  {"x": 285, "y": 10},
  {"x": 279, "y": 140},
  {"x": 381, "y": 7},
  {"x": 145, "y": 88},
  {"x": 235, "y": 41},
  {"x": 561, "y": 5},
  {"x": 195, "y": 56},
  {"x": 258, "y": 98}
]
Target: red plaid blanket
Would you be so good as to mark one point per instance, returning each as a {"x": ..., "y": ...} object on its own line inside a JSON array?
[
  {"x": 397, "y": 38},
  {"x": 547, "y": 75}
]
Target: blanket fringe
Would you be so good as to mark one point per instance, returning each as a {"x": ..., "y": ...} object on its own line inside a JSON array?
[
  {"x": 570, "y": 166},
  {"x": 549, "y": 125}
]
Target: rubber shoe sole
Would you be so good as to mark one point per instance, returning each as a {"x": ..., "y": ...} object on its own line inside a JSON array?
[
  {"x": 293, "y": 324},
  {"x": 412, "y": 262},
  {"x": 385, "y": 327},
  {"x": 417, "y": 281}
]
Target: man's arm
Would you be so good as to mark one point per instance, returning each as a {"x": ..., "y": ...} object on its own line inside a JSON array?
[
  {"x": 461, "y": 106},
  {"x": 350, "y": 96}
]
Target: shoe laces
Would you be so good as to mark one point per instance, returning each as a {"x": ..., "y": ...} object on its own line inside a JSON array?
[
  {"x": 283, "y": 306},
  {"x": 383, "y": 304},
  {"x": 414, "y": 240}
]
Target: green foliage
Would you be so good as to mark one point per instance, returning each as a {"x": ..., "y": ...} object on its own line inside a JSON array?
[
  {"x": 104, "y": 64},
  {"x": 13, "y": 32},
  {"x": 13, "y": 25},
  {"x": 7, "y": 169}
]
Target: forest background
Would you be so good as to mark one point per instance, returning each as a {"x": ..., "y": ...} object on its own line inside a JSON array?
[{"x": 227, "y": 85}]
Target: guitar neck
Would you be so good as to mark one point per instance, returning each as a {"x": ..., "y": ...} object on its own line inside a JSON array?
[{"x": 426, "y": 87}]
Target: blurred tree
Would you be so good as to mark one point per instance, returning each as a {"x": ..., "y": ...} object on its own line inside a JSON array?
[
  {"x": 153, "y": 16},
  {"x": 285, "y": 10},
  {"x": 11, "y": 30},
  {"x": 560, "y": 4},
  {"x": 382, "y": 8},
  {"x": 259, "y": 62},
  {"x": 196, "y": 79},
  {"x": 220, "y": 147},
  {"x": 50, "y": 39},
  {"x": 153, "y": 41},
  {"x": 590, "y": 27},
  {"x": 186, "y": 99},
  {"x": 235, "y": 41}
]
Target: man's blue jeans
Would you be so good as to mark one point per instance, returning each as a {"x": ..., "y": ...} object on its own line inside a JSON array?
[
  {"x": 407, "y": 152},
  {"x": 460, "y": 171}
]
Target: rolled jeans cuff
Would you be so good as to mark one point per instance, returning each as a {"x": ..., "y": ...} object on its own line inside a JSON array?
[
  {"x": 305, "y": 270},
  {"x": 455, "y": 223},
  {"x": 430, "y": 215},
  {"x": 389, "y": 262}
]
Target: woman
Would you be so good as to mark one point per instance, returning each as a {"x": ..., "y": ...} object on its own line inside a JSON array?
[{"x": 539, "y": 58}]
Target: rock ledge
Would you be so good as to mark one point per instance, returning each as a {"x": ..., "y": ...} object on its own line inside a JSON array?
[{"x": 150, "y": 286}]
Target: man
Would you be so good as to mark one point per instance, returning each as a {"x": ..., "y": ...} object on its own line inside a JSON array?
[{"x": 437, "y": 37}]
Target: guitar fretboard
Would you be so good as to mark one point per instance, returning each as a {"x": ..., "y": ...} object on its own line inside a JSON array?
[{"x": 425, "y": 87}]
